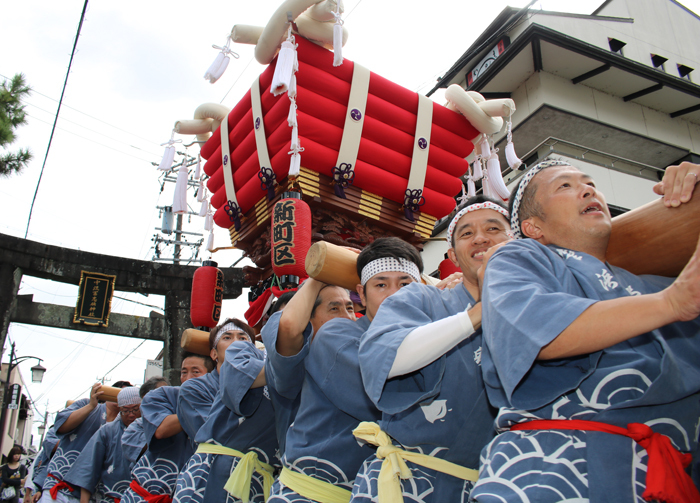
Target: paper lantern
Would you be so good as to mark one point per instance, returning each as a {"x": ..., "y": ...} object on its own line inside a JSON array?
[
  {"x": 207, "y": 295},
  {"x": 446, "y": 268},
  {"x": 291, "y": 237}
]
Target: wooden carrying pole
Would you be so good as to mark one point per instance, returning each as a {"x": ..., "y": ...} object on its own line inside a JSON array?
[
  {"x": 109, "y": 394},
  {"x": 654, "y": 239},
  {"x": 195, "y": 341},
  {"x": 651, "y": 239},
  {"x": 332, "y": 264}
]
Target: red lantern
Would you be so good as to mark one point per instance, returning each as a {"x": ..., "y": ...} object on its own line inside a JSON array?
[
  {"x": 291, "y": 237},
  {"x": 446, "y": 268},
  {"x": 207, "y": 295}
]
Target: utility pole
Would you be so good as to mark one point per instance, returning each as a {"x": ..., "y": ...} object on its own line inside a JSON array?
[{"x": 43, "y": 429}]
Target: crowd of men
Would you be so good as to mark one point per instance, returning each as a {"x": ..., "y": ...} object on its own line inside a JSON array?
[{"x": 547, "y": 376}]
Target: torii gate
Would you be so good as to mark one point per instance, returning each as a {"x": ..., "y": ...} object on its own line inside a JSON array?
[{"x": 21, "y": 257}]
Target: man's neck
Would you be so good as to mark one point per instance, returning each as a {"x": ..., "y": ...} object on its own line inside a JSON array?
[{"x": 472, "y": 287}]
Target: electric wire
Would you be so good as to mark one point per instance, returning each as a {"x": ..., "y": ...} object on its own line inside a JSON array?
[
  {"x": 84, "y": 138},
  {"x": 34, "y": 91},
  {"x": 48, "y": 148}
]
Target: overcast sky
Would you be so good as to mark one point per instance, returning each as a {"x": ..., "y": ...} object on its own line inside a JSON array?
[{"x": 139, "y": 67}]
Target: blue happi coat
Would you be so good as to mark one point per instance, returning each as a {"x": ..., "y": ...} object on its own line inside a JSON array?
[
  {"x": 73, "y": 442},
  {"x": 193, "y": 405},
  {"x": 41, "y": 465},
  {"x": 531, "y": 294},
  {"x": 284, "y": 376},
  {"x": 240, "y": 418},
  {"x": 157, "y": 470},
  {"x": 320, "y": 442},
  {"x": 133, "y": 442},
  {"x": 102, "y": 461},
  {"x": 440, "y": 410}
]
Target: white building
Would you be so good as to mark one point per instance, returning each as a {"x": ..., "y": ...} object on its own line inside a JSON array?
[
  {"x": 612, "y": 92},
  {"x": 19, "y": 421}
]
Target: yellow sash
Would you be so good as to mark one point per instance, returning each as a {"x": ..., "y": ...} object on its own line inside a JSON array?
[
  {"x": 394, "y": 465},
  {"x": 313, "y": 489},
  {"x": 238, "y": 484}
]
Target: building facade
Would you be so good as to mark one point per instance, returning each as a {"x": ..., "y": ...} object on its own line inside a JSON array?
[
  {"x": 615, "y": 93},
  {"x": 19, "y": 421}
]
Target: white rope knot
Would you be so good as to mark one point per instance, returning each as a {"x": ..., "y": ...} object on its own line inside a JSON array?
[{"x": 226, "y": 50}]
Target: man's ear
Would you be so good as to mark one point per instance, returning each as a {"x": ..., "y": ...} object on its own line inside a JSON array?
[
  {"x": 361, "y": 292},
  {"x": 452, "y": 256},
  {"x": 531, "y": 228},
  {"x": 213, "y": 354}
]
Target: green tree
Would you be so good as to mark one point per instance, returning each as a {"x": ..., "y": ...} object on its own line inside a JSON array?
[{"x": 11, "y": 117}]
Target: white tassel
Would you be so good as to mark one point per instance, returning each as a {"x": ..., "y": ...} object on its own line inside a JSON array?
[
  {"x": 198, "y": 170},
  {"x": 484, "y": 149},
  {"x": 168, "y": 157},
  {"x": 476, "y": 167},
  {"x": 218, "y": 67},
  {"x": 204, "y": 208},
  {"x": 284, "y": 68},
  {"x": 201, "y": 192},
  {"x": 295, "y": 165},
  {"x": 495, "y": 177},
  {"x": 209, "y": 222},
  {"x": 210, "y": 242},
  {"x": 292, "y": 93},
  {"x": 486, "y": 188},
  {"x": 513, "y": 161},
  {"x": 463, "y": 198},
  {"x": 166, "y": 163},
  {"x": 180, "y": 197},
  {"x": 292, "y": 117},
  {"x": 337, "y": 37},
  {"x": 295, "y": 138},
  {"x": 471, "y": 187}
]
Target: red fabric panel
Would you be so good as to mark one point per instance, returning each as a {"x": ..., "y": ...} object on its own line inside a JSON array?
[
  {"x": 457, "y": 140},
  {"x": 237, "y": 114},
  {"x": 447, "y": 267},
  {"x": 244, "y": 156}
]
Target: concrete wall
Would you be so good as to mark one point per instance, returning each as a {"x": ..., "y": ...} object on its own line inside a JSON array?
[
  {"x": 544, "y": 88},
  {"x": 660, "y": 27}
]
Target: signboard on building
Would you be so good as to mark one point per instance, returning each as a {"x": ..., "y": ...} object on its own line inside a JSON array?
[
  {"x": 15, "y": 396},
  {"x": 487, "y": 60},
  {"x": 154, "y": 368},
  {"x": 94, "y": 298}
]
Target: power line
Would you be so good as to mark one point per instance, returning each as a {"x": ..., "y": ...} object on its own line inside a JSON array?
[
  {"x": 65, "y": 83},
  {"x": 137, "y": 302},
  {"x": 120, "y": 362},
  {"x": 92, "y": 130},
  {"x": 34, "y": 91},
  {"x": 84, "y": 138}
]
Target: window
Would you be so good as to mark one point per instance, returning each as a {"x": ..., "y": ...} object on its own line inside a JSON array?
[
  {"x": 658, "y": 62},
  {"x": 616, "y": 45},
  {"x": 684, "y": 71}
]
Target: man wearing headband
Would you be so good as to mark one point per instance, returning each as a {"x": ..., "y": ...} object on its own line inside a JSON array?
[
  {"x": 102, "y": 460},
  {"x": 168, "y": 448},
  {"x": 594, "y": 370},
  {"x": 420, "y": 362},
  {"x": 322, "y": 456},
  {"x": 287, "y": 335},
  {"x": 239, "y": 433},
  {"x": 75, "y": 425},
  {"x": 193, "y": 405}
]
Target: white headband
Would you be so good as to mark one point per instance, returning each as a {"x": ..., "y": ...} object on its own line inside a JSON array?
[
  {"x": 227, "y": 328},
  {"x": 488, "y": 205},
  {"x": 515, "y": 216},
  {"x": 386, "y": 264}
]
